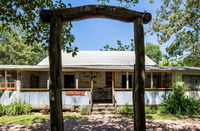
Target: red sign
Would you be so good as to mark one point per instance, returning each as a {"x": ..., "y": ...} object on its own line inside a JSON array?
[{"x": 75, "y": 93}]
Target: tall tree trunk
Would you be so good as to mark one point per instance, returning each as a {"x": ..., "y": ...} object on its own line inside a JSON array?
[
  {"x": 55, "y": 86},
  {"x": 140, "y": 124}
]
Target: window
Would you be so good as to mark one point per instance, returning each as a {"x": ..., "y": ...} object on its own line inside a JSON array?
[
  {"x": 193, "y": 81},
  {"x": 7, "y": 80},
  {"x": 167, "y": 80},
  {"x": 124, "y": 81},
  {"x": 148, "y": 81},
  {"x": 69, "y": 81},
  {"x": 2, "y": 79},
  {"x": 11, "y": 79},
  {"x": 34, "y": 81},
  {"x": 108, "y": 79},
  {"x": 157, "y": 80}
]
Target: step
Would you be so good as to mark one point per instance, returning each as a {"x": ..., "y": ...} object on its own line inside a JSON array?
[
  {"x": 102, "y": 112},
  {"x": 96, "y": 109},
  {"x": 103, "y": 108},
  {"x": 103, "y": 105}
]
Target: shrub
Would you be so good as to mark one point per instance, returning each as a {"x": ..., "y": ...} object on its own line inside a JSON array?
[
  {"x": 84, "y": 110},
  {"x": 180, "y": 104},
  {"x": 17, "y": 107},
  {"x": 1, "y": 110},
  {"x": 125, "y": 109}
]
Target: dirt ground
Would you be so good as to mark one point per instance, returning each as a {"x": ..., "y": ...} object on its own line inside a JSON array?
[{"x": 109, "y": 123}]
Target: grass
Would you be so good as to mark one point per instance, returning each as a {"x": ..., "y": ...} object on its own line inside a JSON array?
[
  {"x": 169, "y": 116},
  {"x": 156, "y": 113},
  {"x": 30, "y": 119}
]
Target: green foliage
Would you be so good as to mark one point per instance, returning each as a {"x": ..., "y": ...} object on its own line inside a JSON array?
[
  {"x": 177, "y": 23},
  {"x": 153, "y": 52},
  {"x": 17, "y": 107},
  {"x": 123, "y": 3},
  {"x": 14, "y": 50},
  {"x": 25, "y": 14},
  {"x": 120, "y": 47},
  {"x": 125, "y": 110},
  {"x": 30, "y": 119},
  {"x": 1, "y": 110},
  {"x": 153, "y": 110},
  {"x": 169, "y": 116},
  {"x": 84, "y": 110},
  {"x": 179, "y": 103}
]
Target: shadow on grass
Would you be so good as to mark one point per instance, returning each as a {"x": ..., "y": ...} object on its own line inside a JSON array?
[{"x": 106, "y": 123}]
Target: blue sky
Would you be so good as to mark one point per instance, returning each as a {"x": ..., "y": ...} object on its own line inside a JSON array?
[{"x": 93, "y": 34}]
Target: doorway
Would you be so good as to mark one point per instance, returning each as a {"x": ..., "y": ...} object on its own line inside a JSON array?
[{"x": 103, "y": 94}]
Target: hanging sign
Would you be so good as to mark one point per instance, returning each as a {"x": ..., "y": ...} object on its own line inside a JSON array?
[{"x": 75, "y": 93}]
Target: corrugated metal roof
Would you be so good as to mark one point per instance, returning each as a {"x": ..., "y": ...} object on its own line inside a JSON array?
[
  {"x": 99, "y": 58},
  {"x": 97, "y": 67}
]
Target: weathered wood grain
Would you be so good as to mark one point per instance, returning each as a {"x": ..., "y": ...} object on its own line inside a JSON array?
[
  {"x": 55, "y": 85},
  {"x": 95, "y": 11},
  {"x": 140, "y": 124}
]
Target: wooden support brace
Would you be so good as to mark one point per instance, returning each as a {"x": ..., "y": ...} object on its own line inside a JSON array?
[
  {"x": 139, "y": 76},
  {"x": 55, "y": 86}
]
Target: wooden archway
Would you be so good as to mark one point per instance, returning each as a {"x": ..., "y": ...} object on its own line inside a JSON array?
[{"x": 56, "y": 19}]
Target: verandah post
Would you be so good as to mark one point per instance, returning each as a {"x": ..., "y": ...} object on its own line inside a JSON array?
[
  {"x": 140, "y": 124},
  {"x": 55, "y": 85}
]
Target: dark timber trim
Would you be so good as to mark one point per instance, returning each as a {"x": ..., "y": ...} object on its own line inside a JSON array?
[
  {"x": 55, "y": 86},
  {"x": 140, "y": 124},
  {"x": 95, "y": 11}
]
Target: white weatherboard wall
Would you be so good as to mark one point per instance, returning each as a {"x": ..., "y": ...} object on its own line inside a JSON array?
[
  {"x": 151, "y": 97},
  {"x": 41, "y": 98}
]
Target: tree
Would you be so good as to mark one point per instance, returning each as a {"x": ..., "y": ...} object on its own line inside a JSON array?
[
  {"x": 120, "y": 47},
  {"x": 14, "y": 51},
  {"x": 177, "y": 23},
  {"x": 151, "y": 50},
  {"x": 25, "y": 14}
]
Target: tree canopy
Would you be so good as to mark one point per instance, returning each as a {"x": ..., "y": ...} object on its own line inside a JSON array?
[
  {"x": 177, "y": 24},
  {"x": 14, "y": 51}
]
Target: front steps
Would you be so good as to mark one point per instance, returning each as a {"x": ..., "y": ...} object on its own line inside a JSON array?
[{"x": 103, "y": 108}]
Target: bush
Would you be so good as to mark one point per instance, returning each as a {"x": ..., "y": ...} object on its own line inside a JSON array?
[
  {"x": 180, "y": 104},
  {"x": 1, "y": 110},
  {"x": 125, "y": 109},
  {"x": 17, "y": 107},
  {"x": 84, "y": 110}
]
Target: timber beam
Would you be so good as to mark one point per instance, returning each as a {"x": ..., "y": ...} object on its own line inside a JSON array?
[{"x": 95, "y": 11}]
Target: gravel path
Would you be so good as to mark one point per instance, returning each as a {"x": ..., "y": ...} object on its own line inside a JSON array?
[{"x": 109, "y": 123}]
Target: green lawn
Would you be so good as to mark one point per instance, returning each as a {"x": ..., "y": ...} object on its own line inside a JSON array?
[
  {"x": 169, "y": 116},
  {"x": 29, "y": 119},
  {"x": 154, "y": 113}
]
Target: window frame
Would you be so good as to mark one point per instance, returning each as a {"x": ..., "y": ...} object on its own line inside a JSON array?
[
  {"x": 6, "y": 80},
  {"x": 190, "y": 75}
]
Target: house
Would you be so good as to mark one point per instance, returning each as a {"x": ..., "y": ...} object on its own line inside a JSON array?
[{"x": 93, "y": 77}]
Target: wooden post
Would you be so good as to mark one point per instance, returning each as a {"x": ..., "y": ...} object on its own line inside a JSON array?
[
  {"x": 113, "y": 88},
  {"x": 151, "y": 79},
  {"x": 77, "y": 76},
  {"x": 139, "y": 75},
  {"x": 55, "y": 85},
  {"x": 127, "y": 80}
]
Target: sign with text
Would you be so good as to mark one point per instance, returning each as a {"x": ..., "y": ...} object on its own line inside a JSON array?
[{"x": 75, "y": 93}]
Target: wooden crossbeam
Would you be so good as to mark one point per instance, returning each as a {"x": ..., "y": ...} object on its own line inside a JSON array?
[{"x": 95, "y": 11}]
